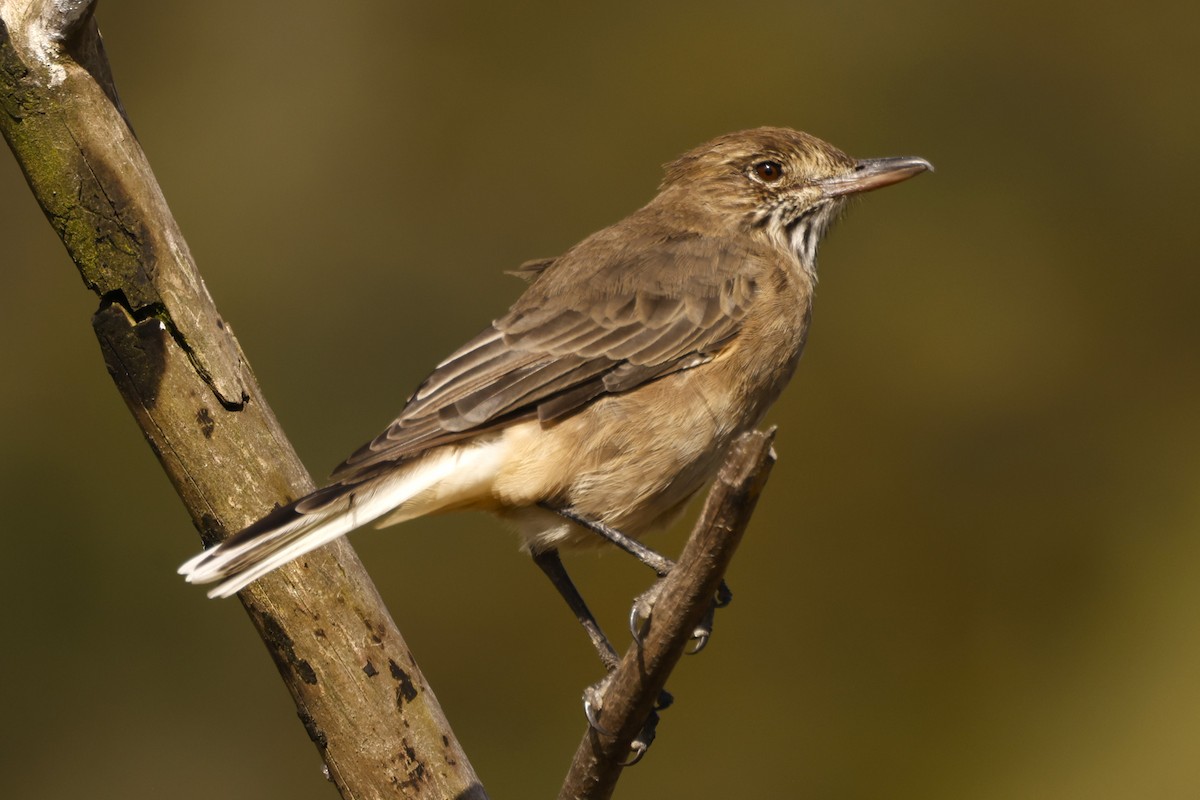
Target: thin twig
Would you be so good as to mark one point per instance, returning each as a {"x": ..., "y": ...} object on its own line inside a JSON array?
[{"x": 685, "y": 597}]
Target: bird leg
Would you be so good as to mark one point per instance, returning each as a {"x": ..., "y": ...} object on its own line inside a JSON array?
[
  {"x": 593, "y": 696},
  {"x": 552, "y": 565},
  {"x": 639, "y": 615},
  {"x": 655, "y": 561}
]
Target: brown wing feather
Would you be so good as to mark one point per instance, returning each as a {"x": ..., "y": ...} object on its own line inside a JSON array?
[{"x": 593, "y": 322}]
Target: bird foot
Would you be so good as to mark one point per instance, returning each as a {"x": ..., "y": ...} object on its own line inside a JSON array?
[
  {"x": 593, "y": 705},
  {"x": 643, "y": 607},
  {"x": 639, "y": 613}
]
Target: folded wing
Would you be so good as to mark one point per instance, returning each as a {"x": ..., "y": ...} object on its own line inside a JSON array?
[{"x": 586, "y": 327}]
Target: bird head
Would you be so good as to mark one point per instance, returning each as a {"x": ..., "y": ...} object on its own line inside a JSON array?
[{"x": 786, "y": 184}]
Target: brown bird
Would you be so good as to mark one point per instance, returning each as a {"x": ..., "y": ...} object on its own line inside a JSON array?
[{"x": 607, "y": 396}]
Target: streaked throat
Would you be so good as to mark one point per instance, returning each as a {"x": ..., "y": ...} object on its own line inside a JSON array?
[{"x": 803, "y": 233}]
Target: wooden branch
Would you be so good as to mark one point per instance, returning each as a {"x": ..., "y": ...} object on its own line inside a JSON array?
[
  {"x": 360, "y": 695},
  {"x": 686, "y": 595}
]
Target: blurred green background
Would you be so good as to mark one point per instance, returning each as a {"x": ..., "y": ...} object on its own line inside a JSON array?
[{"x": 975, "y": 572}]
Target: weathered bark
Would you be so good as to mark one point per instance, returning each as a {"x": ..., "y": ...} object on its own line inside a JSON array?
[
  {"x": 685, "y": 596},
  {"x": 360, "y": 695},
  {"x": 358, "y": 692}
]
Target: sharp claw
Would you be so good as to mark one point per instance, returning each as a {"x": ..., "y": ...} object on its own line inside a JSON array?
[
  {"x": 593, "y": 717},
  {"x": 643, "y": 609},
  {"x": 643, "y": 740},
  {"x": 589, "y": 711},
  {"x": 635, "y": 622},
  {"x": 593, "y": 704},
  {"x": 638, "y": 749},
  {"x": 703, "y": 630},
  {"x": 724, "y": 596}
]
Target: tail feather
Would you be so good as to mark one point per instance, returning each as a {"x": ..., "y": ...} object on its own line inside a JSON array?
[
  {"x": 319, "y": 518},
  {"x": 264, "y": 547}
]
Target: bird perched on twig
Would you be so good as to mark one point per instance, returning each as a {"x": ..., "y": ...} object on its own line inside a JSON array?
[{"x": 607, "y": 396}]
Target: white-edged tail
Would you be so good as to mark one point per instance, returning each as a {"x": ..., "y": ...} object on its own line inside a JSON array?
[{"x": 444, "y": 476}]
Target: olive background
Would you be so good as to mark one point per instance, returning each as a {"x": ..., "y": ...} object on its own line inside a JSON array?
[{"x": 975, "y": 571}]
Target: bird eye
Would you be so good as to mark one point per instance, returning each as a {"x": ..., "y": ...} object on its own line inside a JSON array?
[{"x": 768, "y": 171}]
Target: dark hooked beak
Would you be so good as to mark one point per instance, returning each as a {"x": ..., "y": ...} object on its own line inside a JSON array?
[{"x": 874, "y": 173}]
